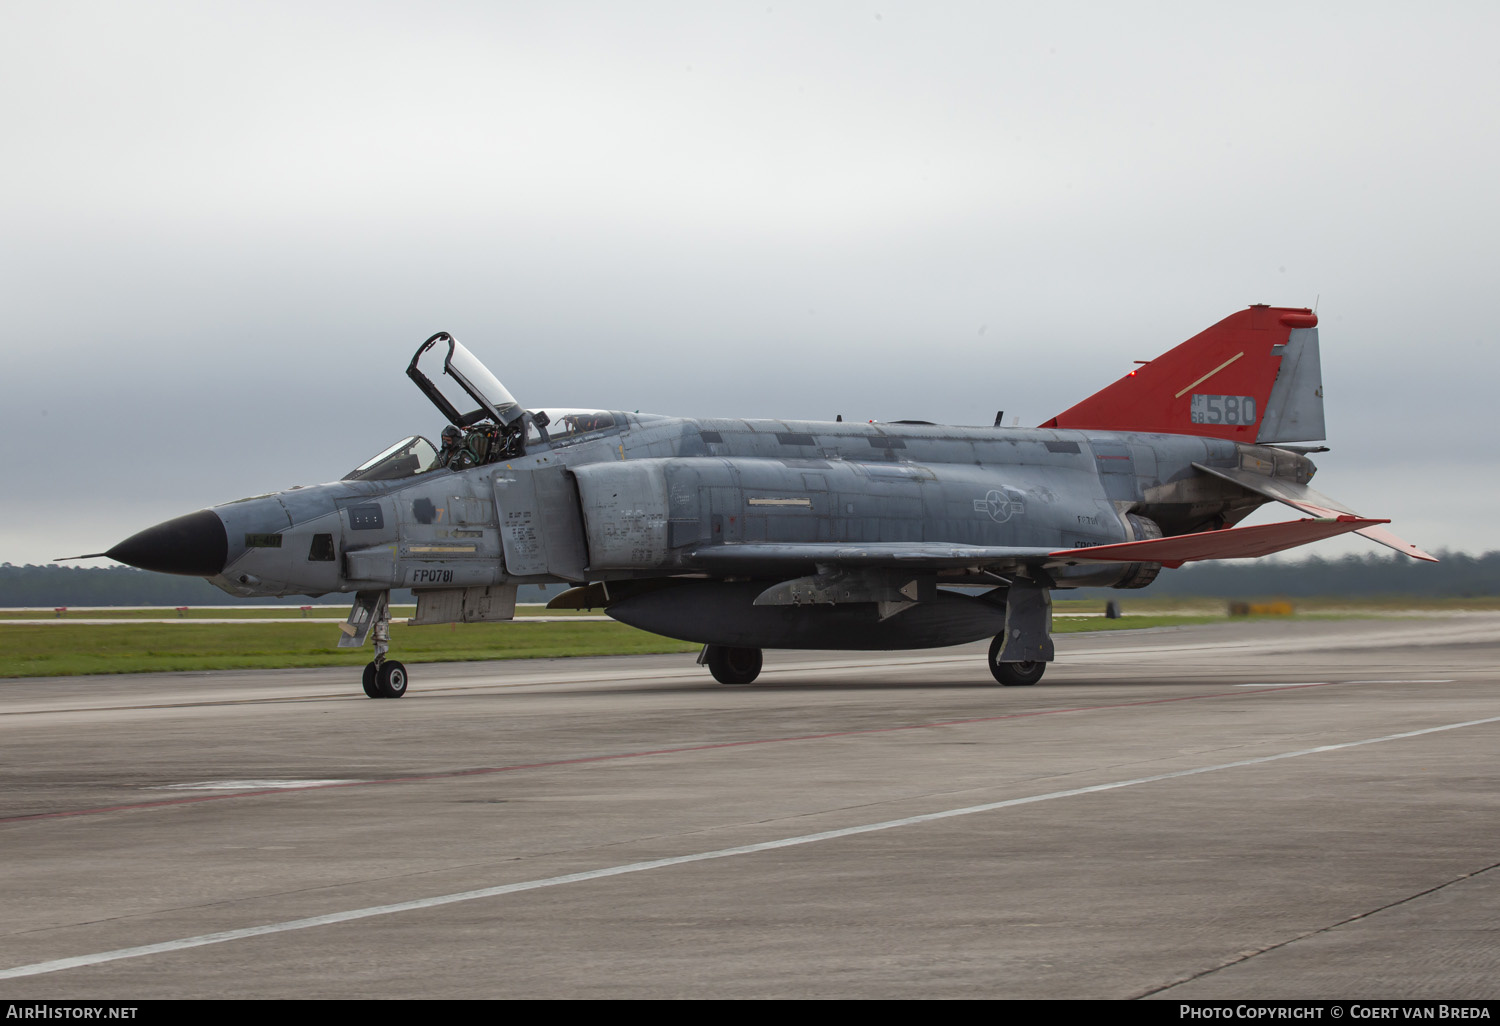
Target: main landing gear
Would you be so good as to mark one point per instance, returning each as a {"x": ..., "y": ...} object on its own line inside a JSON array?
[
  {"x": 1019, "y": 655},
  {"x": 371, "y": 618},
  {"x": 742, "y": 666},
  {"x": 731, "y": 665}
]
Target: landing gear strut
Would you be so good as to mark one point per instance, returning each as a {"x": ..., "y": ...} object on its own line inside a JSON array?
[
  {"x": 731, "y": 665},
  {"x": 371, "y": 618}
]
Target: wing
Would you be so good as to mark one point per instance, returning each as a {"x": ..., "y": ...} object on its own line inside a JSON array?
[
  {"x": 761, "y": 557},
  {"x": 1229, "y": 543}
]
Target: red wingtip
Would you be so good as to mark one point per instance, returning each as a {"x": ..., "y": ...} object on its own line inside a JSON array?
[{"x": 1226, "y": 543}]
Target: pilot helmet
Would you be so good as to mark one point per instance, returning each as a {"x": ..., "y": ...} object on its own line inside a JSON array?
[{"x": 451, "y": 433}]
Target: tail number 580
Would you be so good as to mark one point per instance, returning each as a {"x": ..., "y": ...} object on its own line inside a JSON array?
[{"x": 1223, "y": 409}]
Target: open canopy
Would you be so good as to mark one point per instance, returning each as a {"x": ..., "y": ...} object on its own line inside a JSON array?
[{"x": 460, "y": 383}]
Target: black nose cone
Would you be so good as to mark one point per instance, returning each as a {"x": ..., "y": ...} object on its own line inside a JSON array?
[{"x": 195, "y": 545}]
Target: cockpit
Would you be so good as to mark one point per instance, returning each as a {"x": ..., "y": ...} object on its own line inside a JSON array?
[{"x": 492, "y": 425}]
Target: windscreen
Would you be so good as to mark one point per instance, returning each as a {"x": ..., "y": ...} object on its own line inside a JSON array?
[{"x": 407, "y": 458}]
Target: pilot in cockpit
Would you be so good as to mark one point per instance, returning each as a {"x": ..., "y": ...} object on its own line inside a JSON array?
[{"x": 453, "y": 447}]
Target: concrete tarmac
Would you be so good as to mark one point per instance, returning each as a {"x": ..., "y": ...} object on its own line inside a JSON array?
[{"x": 1246, "y": 810}]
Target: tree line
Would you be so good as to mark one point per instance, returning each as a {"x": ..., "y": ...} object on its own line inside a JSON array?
[{"x": 1367, "y": 575}]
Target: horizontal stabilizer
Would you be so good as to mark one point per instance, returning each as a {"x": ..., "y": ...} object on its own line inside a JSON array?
[
  {"x": 1229, "y": 543},
  {"x": 1301, "y": 497}
]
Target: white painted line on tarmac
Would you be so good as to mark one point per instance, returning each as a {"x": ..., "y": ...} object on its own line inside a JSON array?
[
  {"x": 1322, "y": 683},
  {"x": 249, "y": 785},
  {"x": 203, "y": 940},
  {"x": 1269, "y": 684}
]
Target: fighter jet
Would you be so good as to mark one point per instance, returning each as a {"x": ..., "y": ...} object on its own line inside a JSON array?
[{"x": 744, "y": 535}]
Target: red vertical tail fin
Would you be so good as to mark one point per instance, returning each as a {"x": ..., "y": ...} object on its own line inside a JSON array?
[{"x": 1253, "y": 377}]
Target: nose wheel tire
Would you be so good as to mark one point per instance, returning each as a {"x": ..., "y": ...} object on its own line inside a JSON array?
[
  {"x": 372, "y": 689},
  {"x": 733, "y": 665},
  {"x": 391, "y": 679},
  {"x": 1014, "y": 675},
  {"x": 388, "y": 680}
]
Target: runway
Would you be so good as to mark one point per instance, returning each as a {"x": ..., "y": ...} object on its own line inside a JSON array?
[{"x": 1246, "y": 810}]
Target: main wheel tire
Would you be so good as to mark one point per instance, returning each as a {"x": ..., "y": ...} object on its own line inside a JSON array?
[
  {"x": 1014, "y": 675},
  {"x": 372, "y": 688},
  {"x": 391, "y": 679},
  {"x": 734, "y": 665}
]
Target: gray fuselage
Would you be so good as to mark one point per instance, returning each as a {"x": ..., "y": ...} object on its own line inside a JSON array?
[{"x": 659, "y": 496}]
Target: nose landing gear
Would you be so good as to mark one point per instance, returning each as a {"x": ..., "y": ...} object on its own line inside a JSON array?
[{"x": 371, "y": 618}]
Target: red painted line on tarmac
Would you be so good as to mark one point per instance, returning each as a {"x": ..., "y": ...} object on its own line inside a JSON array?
[{"x": 650, "y": 753}]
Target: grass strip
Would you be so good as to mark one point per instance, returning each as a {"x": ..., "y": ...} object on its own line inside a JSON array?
[
  {"x": 58, "y": 650},
  {"x": 65, "y": 650}
]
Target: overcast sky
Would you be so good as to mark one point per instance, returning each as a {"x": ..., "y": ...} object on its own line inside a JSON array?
[{"x": 226, "y": 226}]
